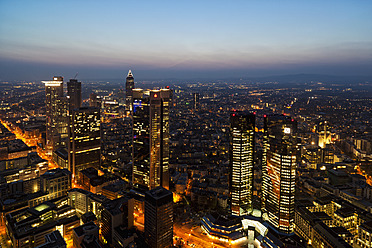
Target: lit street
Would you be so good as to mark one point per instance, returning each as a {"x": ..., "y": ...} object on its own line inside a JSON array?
[{"x": 194, "y": 235}]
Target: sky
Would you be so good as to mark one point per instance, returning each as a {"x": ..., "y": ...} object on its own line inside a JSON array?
[{"x": 164, "y": 39}]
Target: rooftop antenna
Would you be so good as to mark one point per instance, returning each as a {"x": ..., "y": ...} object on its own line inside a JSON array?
[{"x": 76, "y": 75}]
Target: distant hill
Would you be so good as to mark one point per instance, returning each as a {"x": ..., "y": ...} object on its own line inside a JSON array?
[
  {"x": 297, "y": 79},
  {"x": 307, "y": 78}
]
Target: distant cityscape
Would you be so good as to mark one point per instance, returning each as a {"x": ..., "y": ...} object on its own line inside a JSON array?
[{"x": 185, "y": 164}]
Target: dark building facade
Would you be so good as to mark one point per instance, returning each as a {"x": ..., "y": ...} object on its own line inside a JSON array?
[
  {"x": 279, "y": 171},
  {"x": 159, "y": 218},
  {"x": 115, "y": 213},
  {"x": 74, "y": 94},
  {"x": 241, "y": 155}
]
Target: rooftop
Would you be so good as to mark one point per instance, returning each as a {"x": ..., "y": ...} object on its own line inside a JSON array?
[
  {"x": 322, "y": 215},
  {"x": 53, "y": 240},
  {"x": 345, "y": 212},
  {"x": 87, "y": 228},
  {"x": 367, "y": 226},
  {"x": 114, "y": 206},
  {"x": 55, "y": 173},
  {"x": 159, "y": 193}
]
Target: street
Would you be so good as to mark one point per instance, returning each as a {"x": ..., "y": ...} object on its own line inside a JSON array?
[{"x": 194, "y": 235}]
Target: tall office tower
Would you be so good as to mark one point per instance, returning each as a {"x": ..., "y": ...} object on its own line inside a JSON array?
[
  {"x": 56, "y": 114},
  {"x": 195, "y": 97},
  {"x": 129, "y": 86},
  {"x": 159, "y": 218},
  {"x": 151, "y": 138},
  {"x": 241, "y": 162},
  {"x": 279, "y": 171},
  {"x": 74, "y": 94},
  {"x": 84, "y": 149}
]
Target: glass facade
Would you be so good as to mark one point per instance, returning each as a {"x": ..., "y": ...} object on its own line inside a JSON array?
[
  {"x": 241, "y": 162},
  {"x": 141, "y": 141},
  {"x": 151, "y": 138},
  {"x": 84, "y": 140},
  {"x": 56, "y": 114},
  {"x": 279, "y": 171}
]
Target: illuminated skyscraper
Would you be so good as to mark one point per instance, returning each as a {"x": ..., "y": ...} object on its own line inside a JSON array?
[
  {"x": 129, "y": 86},
  {"x": 279, "y": 171},
  {"x": 74, "y": 94},
  {"x": 241, "y": 162},
  {"x": 151, "y": 138},
  {"x": 141, "y": 139},
  {"x": 195, "y": 97},
  {"x": 56, "y": 114},
  {"x": 159, "y": 218},
  {"x": 84, "y": 148}
]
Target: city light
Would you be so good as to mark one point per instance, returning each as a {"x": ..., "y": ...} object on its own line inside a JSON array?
[{"x": 210, "y": 164}]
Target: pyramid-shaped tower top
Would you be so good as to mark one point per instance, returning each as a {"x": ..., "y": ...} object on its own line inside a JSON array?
[{"x": 130, "y": 73}]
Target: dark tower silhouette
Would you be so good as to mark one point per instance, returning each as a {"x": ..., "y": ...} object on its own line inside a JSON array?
[{"x": 74, "y": 94}]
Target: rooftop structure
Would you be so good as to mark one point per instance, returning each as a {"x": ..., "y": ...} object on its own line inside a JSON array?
[{"x": 53, "y": 240}]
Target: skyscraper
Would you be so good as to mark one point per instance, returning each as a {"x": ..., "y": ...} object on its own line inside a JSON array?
[
  {"x": 195, "y": 97},
  {"x": 74, "y": 94},
  {"x": 279, "y": 171},
  {"x": 56, "y": 114},
  {"x": 151, "y": 138},
  {"x": 241, "y": 162},
  {"x": 141, "y": 140},
  {"x": 129, "y": 86},
  {"x": 159, "y": 218},
  {"x": 84, "y": 149}
]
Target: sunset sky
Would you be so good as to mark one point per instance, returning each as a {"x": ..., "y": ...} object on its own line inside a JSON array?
[{"x": 103, "y": 39}]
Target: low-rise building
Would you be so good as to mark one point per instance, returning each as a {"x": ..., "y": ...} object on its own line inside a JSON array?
[
  {"x": 227, "y": 228},
  {"x": 53, "y": 240},
  {"x": 60, "y": 157},
  {"x": 84, "y": 201},
  {"x": 364, "y": 237},
  {"x": 325, "y": 237},
  {"x": 346, "y": 217},
  {"x": 93, "y": 182},
  {"x": 117, "y": 212},
  {"x": 86, "y": 235},
  {"x": 28, "y": 227}
]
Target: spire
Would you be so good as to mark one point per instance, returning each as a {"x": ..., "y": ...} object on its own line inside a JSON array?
[{"x": 130, "y": 73}]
